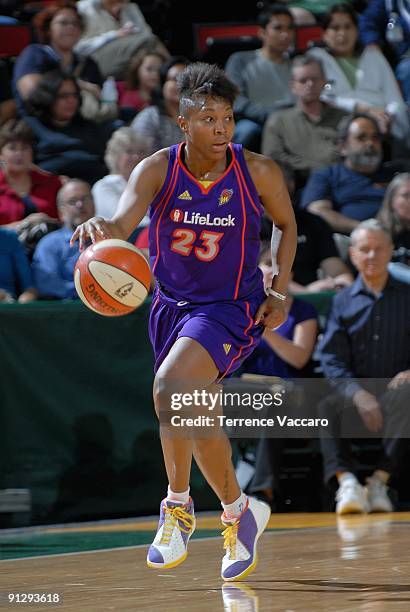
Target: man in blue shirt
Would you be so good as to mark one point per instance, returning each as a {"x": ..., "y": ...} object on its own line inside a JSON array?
[
  {"x": 54, "y": 259},
  {"x": 365, "y": 355},
  {"x": 352, "y": 190}
]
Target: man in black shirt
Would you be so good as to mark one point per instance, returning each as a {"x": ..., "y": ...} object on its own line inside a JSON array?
[{"x": 365, "y": 355}]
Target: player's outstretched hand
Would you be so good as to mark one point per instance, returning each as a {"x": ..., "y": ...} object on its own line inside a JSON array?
[
  {"x": 95, "y": 228},
  {"x": 271, "y": 313}
]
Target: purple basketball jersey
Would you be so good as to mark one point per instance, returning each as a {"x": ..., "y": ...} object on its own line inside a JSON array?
[{"x": 204, "y": 242}]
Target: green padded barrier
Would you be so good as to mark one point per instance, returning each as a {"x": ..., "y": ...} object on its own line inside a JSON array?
[{"x": 77, "y": 424}]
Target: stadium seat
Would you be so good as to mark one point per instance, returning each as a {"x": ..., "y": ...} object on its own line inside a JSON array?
[
  {"x": 13, "y": 39},
  {"x": 209, "y": 37},
  {"x": 306, "y": 35}
]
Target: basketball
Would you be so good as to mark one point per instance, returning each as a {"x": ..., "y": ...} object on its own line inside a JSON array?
[{"x": 112, "y": 277}]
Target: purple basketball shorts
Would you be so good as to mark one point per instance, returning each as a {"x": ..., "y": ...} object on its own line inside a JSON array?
[{"x": 225, "y": 329}]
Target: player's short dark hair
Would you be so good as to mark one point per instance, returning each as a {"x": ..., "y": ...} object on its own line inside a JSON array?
[{"x": 199, "y": 80}]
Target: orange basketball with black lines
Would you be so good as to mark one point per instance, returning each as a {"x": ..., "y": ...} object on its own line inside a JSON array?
[{"x": 112, "y": 277}]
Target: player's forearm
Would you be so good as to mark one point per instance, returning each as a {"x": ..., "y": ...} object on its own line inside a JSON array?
[
  {"x": 124, "y": 222},
  {"x": 118, "y": 230}
]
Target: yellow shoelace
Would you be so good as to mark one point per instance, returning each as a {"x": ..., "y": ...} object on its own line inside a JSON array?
[
  {"x": 230, "y": 535},
  {"x": 173, "y": 517}
]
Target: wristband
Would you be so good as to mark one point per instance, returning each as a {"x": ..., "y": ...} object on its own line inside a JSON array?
[{"x": 276, "y": 294}]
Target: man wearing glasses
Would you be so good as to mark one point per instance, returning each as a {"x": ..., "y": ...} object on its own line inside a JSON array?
[{"x": 54, "y": 259}]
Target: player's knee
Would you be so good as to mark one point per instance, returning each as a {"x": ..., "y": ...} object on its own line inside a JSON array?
[
  {"x": 159, "y": 401},
  {"x": 163, "y": 397},
  {"x": 158, "y": 397}
]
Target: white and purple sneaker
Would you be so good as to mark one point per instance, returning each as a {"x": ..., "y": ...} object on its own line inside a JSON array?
[
  {"x": 175, "y": 527},
  {"x": 241, "y": 538}
]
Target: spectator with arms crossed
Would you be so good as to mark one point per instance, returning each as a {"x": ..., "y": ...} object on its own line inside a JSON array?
[
  {"x": 352, "y": 190},
  {"x": 318, "y": 265},
  {"x": 365, "y": 355},
  {"x": 114, "y": 31}
]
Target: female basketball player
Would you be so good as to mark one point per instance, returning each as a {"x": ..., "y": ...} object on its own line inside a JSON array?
[{"x": 209, "y": 309}]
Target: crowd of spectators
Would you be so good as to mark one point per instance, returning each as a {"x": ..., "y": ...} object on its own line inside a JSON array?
[{"x": 335, "y": 117}]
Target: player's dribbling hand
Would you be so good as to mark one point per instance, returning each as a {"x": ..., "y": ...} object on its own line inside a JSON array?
[
  {"x": 271, "y": 313},
  {"x": 95, "y": 228}
]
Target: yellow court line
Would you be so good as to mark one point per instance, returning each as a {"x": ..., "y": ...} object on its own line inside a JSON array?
[{"x": 277, "y": 521}]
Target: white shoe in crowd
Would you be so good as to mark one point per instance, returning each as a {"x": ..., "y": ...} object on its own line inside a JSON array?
[
  {"x": 377, "y": 497},
  {"x": 351, "y": 498}
]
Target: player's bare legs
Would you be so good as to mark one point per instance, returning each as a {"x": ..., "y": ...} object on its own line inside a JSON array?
[
  {"x": 213, "y": 456},
  {"x": 187, "y": 364},
  {"x": 189, "y": 361}
]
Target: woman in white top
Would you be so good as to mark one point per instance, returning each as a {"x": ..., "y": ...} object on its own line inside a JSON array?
[
  {"x": 360, "y": 80},
  {"x": 124, "y": 151}
]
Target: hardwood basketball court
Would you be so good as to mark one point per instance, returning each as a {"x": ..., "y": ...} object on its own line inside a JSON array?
[{"x": 307, "y": 562}]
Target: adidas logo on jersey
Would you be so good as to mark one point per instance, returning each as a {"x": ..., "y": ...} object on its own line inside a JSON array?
[
  {"x": 227, "y": 348},
  {"x": 185, "y": 196}
]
